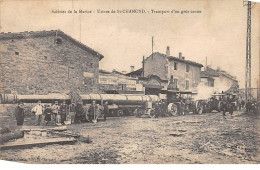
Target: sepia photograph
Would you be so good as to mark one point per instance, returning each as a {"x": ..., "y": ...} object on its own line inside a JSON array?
[{"x": 130, "y": 81}]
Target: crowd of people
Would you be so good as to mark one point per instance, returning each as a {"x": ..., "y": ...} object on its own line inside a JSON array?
[
  {"x": 62, "y": 113},
  {"x": 252, "y": 106}
]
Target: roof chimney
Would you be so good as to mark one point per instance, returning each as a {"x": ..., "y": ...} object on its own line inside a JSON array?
[
  {"x": 180, "y": 55},
  {"x": 168, "y": 51},
  {"x": 132, "y": 68}
]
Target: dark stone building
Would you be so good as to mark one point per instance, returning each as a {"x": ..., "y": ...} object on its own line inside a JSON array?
[{"x": 47, "y": 62}]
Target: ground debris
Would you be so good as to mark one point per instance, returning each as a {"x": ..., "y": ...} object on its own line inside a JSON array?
[
  {"x": 4, "y": 130},
  {"x": 176, "y": 134}
]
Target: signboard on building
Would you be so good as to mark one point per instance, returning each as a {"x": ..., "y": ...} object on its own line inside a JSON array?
[
  {"x": 108, "y": 80},
  {"x": 88, "y": 74}
]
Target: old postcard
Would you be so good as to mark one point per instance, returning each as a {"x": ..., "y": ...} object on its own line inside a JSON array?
[{"x": 129, "y": 81}]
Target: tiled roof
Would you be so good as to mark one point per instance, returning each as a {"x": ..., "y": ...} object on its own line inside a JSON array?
[
  {"x": 204, "y": 74},
  {"x": 104, "y": 72},
  {"x": 179, "y": 60},
  {"x": 216, "y": 73},
  {"x": 136, "y": 72},
  {"x": 37, "y": 34},
  {"x": 117, "y": 72},
  {"x": 210, "y": 72}
]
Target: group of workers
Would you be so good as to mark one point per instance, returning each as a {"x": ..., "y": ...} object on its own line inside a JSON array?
[
  {"x": 252, "y": 106},
  {"x": 62, "y": 113}
]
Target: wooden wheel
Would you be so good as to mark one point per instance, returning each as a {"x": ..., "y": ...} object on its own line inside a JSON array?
[
  {"x": 199, "y": 107},
  {"x": 173, "y": 109},
  {"x": 120, "y": 113}
]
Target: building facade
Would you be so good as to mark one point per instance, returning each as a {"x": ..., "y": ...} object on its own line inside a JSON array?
[
  {"x": 47, "y": 62},
  {"x": 116, "y": 82},
  {"x": 206, "y": 79},
  {"x": 223, "y": 81},
  {"x": 183, "y": 73}
]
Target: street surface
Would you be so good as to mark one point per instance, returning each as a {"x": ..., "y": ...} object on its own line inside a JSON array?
[{"x": 206, "y": 139}]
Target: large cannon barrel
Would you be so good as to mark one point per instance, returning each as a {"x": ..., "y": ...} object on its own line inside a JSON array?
[
  {"x": 14, "y": 98},
  {"x": 119, "y": 99}
]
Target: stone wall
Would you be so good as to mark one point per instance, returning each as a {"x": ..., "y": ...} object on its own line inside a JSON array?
[
  {"x": 41, "y": 66},
  {"x": 156, "y": 65},
  {"x": 160, "y": 66},
  {"x": 193, "y": 76}
]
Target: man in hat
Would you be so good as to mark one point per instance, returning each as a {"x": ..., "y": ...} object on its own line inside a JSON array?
[
  {"x": 72, "y": 112},
  {"x": 106, "y": 110},
  {"x": 92, "y": 111},
  {"x": 79, "y": 111},
  {"x": 157, "y": 110},
  {"x": 55, "y": 111},
  {"x": 19, "y": 114},
  {"x": 63, "y": 111},
  {"x": 38, "y": 110},
  {"x": 47, "y": 113}
]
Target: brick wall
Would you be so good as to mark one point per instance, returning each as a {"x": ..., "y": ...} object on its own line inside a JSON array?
[{"x": 42, "y": 66}]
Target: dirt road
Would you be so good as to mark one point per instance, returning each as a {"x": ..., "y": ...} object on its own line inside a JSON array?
[{"x": 206, "y": 138}]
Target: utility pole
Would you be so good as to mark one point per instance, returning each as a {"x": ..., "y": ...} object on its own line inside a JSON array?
[
  {"x": 248, "y": 91},
  {"x": 152, "y": 47},
  {"x": 143, "y": 66},
  {"x": 206, "y": 62}
]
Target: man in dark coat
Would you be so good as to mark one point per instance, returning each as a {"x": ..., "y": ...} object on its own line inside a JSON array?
[
  {"x": 48, "y": 113},
  {"x": 79, "y": 111},
  {"x": 72, "y": 112},
  {"x": 157, "y": 110},
  {"x": 106, "y": 110},
  {"x": 19, "y": 114},
  {"x": 63, "y": 112},
  {"x": 248, "y": 106},
  {"x": 92, "y": 111}
]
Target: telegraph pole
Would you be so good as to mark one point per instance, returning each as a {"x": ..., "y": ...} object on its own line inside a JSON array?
[
  {"x": 248, "y": 91},
  {"x": 152, "y": 47},
  {"x": 143, "y": 66}
]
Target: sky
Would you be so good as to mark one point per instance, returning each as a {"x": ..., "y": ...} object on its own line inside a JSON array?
[{"x": 218, "y": 32}]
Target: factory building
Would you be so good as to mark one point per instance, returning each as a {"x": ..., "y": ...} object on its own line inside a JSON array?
[{"x": 46, "y": 62}]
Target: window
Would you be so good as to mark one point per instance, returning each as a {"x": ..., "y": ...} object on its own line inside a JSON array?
[
  {"x": 171, "y": 77},
  {"x": 187, "y": 68},
  {"x": 175, "y": 66},
  {"x": 16, "y": 53},
  {"x": 176, "y": 82},
  {"x": 58, "y": 41},
  {"x": 187, "y": 84}
]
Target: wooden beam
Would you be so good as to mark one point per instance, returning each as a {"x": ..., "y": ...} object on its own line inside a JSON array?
[
  {"x": 40, "y": 143},
  {"x": 10, "y": 136},
  {"x": 43, "y": 128}
]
